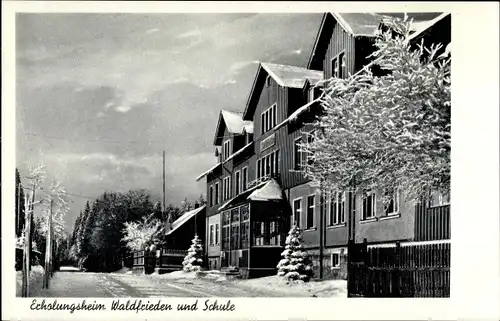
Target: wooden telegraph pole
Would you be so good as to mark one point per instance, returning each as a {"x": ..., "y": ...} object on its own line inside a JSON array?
[{"x": 164, "y": 205}]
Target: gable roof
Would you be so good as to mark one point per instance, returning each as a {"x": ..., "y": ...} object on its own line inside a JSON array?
[
  {"x": 362, "y": 24},
  {"x": 284, "y": 75},
  {"x": 234, "y": 123},
  {"x": 184, "y": 218}
]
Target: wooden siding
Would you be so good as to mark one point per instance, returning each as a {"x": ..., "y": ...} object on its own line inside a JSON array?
[
  {"x": 400, "y": 227},
  {"x": 432, "y": 223},
  {"x": 339, "y": 41}
]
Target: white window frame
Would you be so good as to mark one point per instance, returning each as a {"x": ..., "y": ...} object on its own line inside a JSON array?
[
  {"x": 335, "y": 266},
  {"x": 338, "y": 218},
  {"x": 217, "y": 233},
  {"x": 269, "y": 118},
  {"x": 212, "y": 234},
  {"x": 211, "y": 194},
  {"x": 397, "y": 199},
  {"x": 226, "y": 186},
  {"x": 313, "y": 212},
  {"x": 301, "y": 158},
  {"x": 299, "y": 199},
  {"x": 217, "y": 194},
  {"x": 244, "y": 186},
  {"x": 227, "y": 149},
  {"x": 373, "y": 195},
  {"x": 268, "y": 81},
  {"x": 237, "y": 182}
]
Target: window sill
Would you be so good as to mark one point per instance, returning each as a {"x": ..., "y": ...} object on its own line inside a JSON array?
[
  {"x": 310, "y": 229},
  {"x": 390, "y": 216},
  {"x": 335, "y": 268},
  {"x": 368, "y": 220},
  {"x": 336, "y": 226}
]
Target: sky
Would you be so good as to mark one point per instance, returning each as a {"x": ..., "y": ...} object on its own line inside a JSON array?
[{"x": 99, "y": 97}]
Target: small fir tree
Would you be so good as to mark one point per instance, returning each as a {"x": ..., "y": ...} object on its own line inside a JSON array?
[
  {"x": 193, "y": 260},
  {"x": 295, "y": 264}
]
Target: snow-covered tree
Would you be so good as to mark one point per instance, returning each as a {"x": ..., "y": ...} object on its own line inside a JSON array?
[
  {"x": 295, "y": 264},
  {"x": 388, "y": 129},
  {"x": 193, "y": 260},
  {"x": 139, "y": 235}
]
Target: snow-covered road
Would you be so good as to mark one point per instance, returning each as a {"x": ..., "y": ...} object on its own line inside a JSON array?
[{"x": 85, "y": 284}]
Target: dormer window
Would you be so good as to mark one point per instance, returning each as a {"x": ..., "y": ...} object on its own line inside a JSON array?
[
  {"x": 227, "y": 149},
  {"x": 268, "y": 81}
]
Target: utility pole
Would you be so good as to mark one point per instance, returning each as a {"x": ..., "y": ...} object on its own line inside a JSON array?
[
  {"x": 30, "y": 222},
  {"x": 164, "y": 205}
]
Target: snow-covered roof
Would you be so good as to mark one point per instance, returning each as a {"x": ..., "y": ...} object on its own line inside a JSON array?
[
  {"x": 208, "y": 171},
  {"x": 291, "y": 76},
  {"x": 234, "y": 121},
  {"x": 297, "y": 113},
  {"x": 264, "y": 191},
  {"x": 270, "y": 191},
  {"x": 248, "y": 126},
  {"x": 184, "y": 218},
  {"x": 421, "y": 26},
  {"x": 359, "y": 23}
]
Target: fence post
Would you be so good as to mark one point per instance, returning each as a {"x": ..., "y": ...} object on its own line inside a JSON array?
[
  {"x": 396, "y": 275},
  {"x": 366, "y": 273}
]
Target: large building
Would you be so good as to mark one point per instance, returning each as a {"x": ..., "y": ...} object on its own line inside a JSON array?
[{"x": 256, "y": 190}]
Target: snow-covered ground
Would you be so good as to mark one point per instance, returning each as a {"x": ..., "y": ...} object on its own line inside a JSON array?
[
  {"x": 271, "y": 285},
  {"x": 277, "y": 286},
  {"x": 35, "y": 282}
]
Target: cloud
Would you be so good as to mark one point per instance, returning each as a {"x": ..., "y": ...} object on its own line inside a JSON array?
[
  {"x": 150, "y": 31},
  {"x": 189, "y": 34},
  {"x": 123, "y": 109}
]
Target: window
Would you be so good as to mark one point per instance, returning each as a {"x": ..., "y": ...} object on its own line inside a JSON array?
[
  {"x": 216, "y": 193},
  {"x": 297, "y": 209},
  {"x": 341, "y": 73},
  {"x": 237, "y": 182},
  {"x": 335, "y": 260},
  {"x": 268, "y": 165},
  {"x": 310, "y": 139},
  {"x": 245, "y": 226},
  {"x": 226, "y": 221},
  {"x": 268, "y": 81},
  {"x": 235, "y": 228},
  {"x": 244, "y": 180},
  {"x": 227, "y": 149},
  {"x": 298, "y": 155},
  {"x": 226, "y": 188},
  {"x": 338, "y": 66},
  {"x": 310, "y": 211},
  {"x": 368, "y": 206},
  {"x": 268, "y": 233},
  {"x": 337, "y": 208},
  {"x": 311, "y": 94},
  {"x": 268, "y": 119},
  {"x": 211, "y": 235},
  {"x": 211, "y": 196},
  {"x": 217, "y": 232},
  {"x": 393, "y": 206}
]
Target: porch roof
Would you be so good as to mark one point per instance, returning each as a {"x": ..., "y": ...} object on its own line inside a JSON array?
[
  {"x": 184, "y": 218},
  {"x": 264, "y": 191}
]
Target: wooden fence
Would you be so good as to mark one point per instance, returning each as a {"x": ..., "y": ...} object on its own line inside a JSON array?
[
  {"x": 417, "y": 269},
  {"x": 432, "y": 223},
  {"x": 167, "y": 260}
]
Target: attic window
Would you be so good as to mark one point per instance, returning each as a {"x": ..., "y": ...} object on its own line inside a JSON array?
[
  {"x": 311, "y": 94},
  {"x": 268, "y": 81}
]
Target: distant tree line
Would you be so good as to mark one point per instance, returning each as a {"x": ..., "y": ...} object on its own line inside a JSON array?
[{"x": 97, "y": 244}]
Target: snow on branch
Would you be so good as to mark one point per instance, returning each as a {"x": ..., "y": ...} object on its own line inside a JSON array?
[{"x": 388, "y": 126}]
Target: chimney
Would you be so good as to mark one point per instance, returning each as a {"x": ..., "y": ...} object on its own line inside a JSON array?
[{"x": 196, "y": 205}]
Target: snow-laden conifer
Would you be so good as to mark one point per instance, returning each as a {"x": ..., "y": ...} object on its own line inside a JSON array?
[
  {"x": 295, "y": 264},
  {"x": 193, "y": 260}
]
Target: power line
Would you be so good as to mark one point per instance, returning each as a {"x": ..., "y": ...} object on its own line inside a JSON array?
[
  {"x": 94, "y": 141},
  {"x": 63, "y": 192}
]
